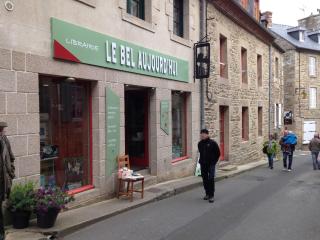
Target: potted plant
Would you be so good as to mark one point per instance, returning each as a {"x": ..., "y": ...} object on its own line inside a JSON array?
[
  {"x": 49, "y": 202},
  {"x": 21, "y": 204}
]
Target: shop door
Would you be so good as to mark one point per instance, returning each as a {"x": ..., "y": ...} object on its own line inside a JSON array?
[{"x": 136, "y": 115}]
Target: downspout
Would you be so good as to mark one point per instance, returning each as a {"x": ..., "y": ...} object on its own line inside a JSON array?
[
  {"x": 202, "y": 36},
  {"x": 299, "y": 86},
  {"x": 270, "y": 86}
]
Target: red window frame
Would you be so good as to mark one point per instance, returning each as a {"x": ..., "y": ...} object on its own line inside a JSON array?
[
  {"x": 244, "y": 66},
  {"x": 260, "y": 121},
  {"x": 259, "y": 70},
  {"x": 245, "y": 123},
  {"x": 223, "y": 57},
  {"x": 89, "y": 186}
]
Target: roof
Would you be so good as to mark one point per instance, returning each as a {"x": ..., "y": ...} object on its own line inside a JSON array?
[
  {"x": 234, "y": 11},
  {"x": 308, "y": 44}
]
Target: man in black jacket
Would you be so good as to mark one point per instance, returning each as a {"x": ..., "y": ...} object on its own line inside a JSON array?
[{"x": 209, "y": 156}]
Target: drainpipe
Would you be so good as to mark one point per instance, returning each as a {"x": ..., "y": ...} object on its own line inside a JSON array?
[
  {"x": 270, "y": 86},
  {"x": 202, "y": 36}
]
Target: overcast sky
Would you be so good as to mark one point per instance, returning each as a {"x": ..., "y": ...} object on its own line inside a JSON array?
[{"x": 289, "y": 11}]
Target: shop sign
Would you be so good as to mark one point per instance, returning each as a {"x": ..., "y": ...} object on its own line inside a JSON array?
[
  {"x": 288, "y": 118},
  {"x": 112, "y": 130},
  {"x": 78, "y": 44},
  {"x": 164, "y": 116}
]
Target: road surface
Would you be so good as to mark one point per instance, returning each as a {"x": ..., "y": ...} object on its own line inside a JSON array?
[{"x": 262, "y": 204}]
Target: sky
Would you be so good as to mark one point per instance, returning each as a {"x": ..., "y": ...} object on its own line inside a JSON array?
[{"x": 289, "y": 11}]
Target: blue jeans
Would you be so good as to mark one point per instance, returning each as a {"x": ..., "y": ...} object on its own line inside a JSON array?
[
  {"x": 287, "y": 155},
  {"x": 315, "y": 160},
  {"x": 270, "y": 160}
]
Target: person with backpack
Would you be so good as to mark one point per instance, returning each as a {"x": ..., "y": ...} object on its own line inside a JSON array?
[
  {"x": 314, "y": 147},
  {"x": 288, "y": 143},
  {"x": 270, "y": 148}
]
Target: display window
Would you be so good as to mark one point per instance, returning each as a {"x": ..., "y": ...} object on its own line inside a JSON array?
[
  {"x": 179, "y": 120},
  {"x": 65, "y": 133}
]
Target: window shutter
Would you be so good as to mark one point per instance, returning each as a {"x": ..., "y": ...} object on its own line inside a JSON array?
[
  {"x": 280, "y": 115},
  {"x": 275, "y": 115},
  {"x": 312, "y": 66},
  {"x": 312, "y": 97}
]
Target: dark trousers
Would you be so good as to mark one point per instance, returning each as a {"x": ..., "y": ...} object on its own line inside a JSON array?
[
  {"x": 315, "y": 160},
  {"x": 270, "y": 160},
  {"x": 2, "y": 233},
  {"x": 207, "y": 174},
  {"x": 286, "y": 156}
]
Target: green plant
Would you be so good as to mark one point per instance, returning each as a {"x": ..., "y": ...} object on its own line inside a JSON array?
[
  {"x": 22, "y": 197},
  {"x": 51, "y": 197}
]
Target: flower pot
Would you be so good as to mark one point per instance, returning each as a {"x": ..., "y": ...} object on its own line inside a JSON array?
[
  {"x": 20, "y": 219},
  {"x": 47, "y": 219}
]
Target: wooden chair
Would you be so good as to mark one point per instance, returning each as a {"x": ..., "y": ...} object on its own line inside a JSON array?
[{"x": 123, "y": 161}]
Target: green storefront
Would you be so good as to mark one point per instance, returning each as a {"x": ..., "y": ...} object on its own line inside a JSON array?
[{"x": 67, "y": 111}]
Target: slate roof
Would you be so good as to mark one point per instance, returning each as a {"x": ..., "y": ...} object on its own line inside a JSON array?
[{"x": 308, "y": 44}]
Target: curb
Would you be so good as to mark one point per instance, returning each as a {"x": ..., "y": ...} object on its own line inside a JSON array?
[
  {"x": 167, "y": 190},
  {"x": 162, "y": 196}
]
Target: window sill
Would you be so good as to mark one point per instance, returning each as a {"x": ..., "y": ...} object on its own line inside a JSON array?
[
  {"x": 80, "y": 190},
  {"x": 222, "y": 80},
  {"x": 90, "y": 3},
  {"x": 180, "y": 159},
  {"x": 137, "y": 21},
  {"x": 182, "y": 41},
  {"x": 244, "y": 85}
]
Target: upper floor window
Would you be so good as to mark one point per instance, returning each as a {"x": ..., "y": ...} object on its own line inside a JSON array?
[
  {"x": 259, "y": 70},
  {"x": 178, "y": 17},
  {"x": 136, "y": 8},
  {"x": 277, "y": 67},
  {"x": 245, "y": 3},
  {"x": 257, "y": 9},
  {"x": 223, "y": 57},
  {"x": 312, "y": 66},
  {"x": 244, "y": 67}
]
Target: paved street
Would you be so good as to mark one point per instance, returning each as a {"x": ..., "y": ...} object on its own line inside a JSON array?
[{"x": 261, "y": 204}]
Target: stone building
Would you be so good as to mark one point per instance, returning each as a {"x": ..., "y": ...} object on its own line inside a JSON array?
[
  {"x": 301, "y": 76},
  {"x": 82, "y": 81},
  {"x": 242, "y": 95}
]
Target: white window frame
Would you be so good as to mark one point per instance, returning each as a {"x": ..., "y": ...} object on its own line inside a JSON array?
[
  {"x": 277, "y": 115},
  {"x": 312, "y": 66},
  {"x": 301, "y": 36},
  {"x": 312, "y": 97}
]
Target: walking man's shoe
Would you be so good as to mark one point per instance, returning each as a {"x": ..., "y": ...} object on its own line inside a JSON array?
[
  {"x": 206, "y": 198},
  {"x": 211, "y": 200},
  {"x": 289, "y": 170}
]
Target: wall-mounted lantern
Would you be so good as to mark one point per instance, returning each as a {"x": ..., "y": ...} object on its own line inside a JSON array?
[{"x": 202, "y": 60}]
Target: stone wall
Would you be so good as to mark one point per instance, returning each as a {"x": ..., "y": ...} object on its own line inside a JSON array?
[
  {"x": 311, "y": 22},
  {"x": 232, "y": 93},
  {"x": 296, "y": 88},
  {"x": 19, "y": 107}
]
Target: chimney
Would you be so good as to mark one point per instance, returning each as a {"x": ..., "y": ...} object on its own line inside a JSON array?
[{"x": 266, "y": 19}]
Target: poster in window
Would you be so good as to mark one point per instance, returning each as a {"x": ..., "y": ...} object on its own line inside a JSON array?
[
  {"x": 164, "y": 116},
  {"x": 73, "y": 168}
]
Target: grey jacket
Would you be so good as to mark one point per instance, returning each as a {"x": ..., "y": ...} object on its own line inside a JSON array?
[{"x": 314, "y": 145}]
